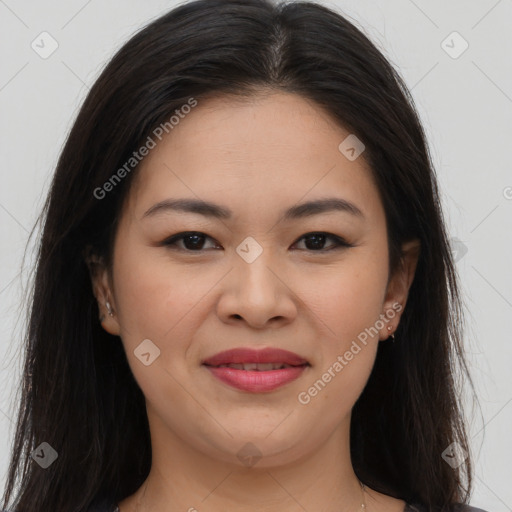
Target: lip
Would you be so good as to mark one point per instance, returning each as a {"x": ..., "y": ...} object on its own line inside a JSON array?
[
  {"x": 255, "y": 381},
  {"x": 251, "y": 355}
]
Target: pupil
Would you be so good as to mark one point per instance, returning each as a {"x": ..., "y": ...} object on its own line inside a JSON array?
[
  {"x": 320, "y": 239},
  {"x": 194, "y": 245}
]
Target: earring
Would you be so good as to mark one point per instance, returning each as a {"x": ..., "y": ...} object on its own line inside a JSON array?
[
  {"x": 392, "y": 336},
  {"x": 109, "y": 308}
]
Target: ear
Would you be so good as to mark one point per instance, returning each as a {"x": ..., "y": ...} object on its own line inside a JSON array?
[
  {"x": 398, "y": 288},
  {"x": 102, "y": 289}
]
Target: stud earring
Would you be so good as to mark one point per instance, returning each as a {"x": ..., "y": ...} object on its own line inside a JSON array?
[
  {"x": 109, "y": 308},
  {"x": 392, "y": 336}
]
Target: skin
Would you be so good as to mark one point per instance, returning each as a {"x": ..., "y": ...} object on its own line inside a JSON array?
[{"x": 257, "y": 157}]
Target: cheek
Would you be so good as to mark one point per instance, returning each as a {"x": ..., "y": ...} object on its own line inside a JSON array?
[
  {"x": 154, "y": 301},
  {"x": 346, "y": 302},
  {"x": 348, "y": 298},
  {"x": 346, "y": 352},
  {"x": 159, "y": 300},
  {"x": 150, "y": 298}
]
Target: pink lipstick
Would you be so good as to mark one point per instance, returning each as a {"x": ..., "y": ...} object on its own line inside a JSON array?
[{"x": 256, "y": 371}]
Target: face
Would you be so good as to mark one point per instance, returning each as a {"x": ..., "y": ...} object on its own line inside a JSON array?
[{"x": 314, "y": 282}]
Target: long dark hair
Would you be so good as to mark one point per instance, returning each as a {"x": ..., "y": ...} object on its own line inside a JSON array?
[{"x": 78, "y": 393}]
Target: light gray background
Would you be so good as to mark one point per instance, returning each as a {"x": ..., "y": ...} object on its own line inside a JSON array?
[{"x": 466, "y": 107}]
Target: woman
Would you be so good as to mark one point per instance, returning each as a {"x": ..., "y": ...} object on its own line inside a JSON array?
[{"x": 245, "y": 297}]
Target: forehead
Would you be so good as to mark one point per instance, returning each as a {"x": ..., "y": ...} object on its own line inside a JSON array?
[{"x": 249, "y": 152}]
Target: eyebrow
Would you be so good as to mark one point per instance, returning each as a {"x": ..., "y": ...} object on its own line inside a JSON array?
[{"x": 209, "y": 209}]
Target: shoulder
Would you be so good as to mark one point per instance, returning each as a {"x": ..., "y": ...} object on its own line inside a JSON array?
[
  {"x": 456, "y": 507},
  {"x": 467, "y": 508}
]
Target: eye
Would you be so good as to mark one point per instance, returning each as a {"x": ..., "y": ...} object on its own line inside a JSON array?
[
  {"x": 193, "y": 241},
  {"x": 315, "y": 241}
]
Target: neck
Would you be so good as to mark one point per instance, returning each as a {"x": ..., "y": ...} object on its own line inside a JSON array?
[{"x": 183, "y": 477}]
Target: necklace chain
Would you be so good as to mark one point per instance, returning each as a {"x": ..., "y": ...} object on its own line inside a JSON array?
[{"x": 363, "y": 504}]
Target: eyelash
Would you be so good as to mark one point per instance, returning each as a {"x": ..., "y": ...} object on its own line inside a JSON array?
[{"x": 170, "y": 242}]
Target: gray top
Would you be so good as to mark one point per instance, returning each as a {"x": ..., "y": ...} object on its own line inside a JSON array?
[
  {"x": 458, "y": 507},
  {"x": 408, "y": 508}
]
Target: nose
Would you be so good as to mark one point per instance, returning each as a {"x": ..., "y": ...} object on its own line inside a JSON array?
[{"x": 258, "y": 294}]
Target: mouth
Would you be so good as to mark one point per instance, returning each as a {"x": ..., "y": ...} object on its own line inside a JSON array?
[
  {"x": 258, "y": 367},
  {"x": 256, "y": 371}
]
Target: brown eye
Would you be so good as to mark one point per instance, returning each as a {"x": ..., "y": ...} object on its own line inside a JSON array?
[
  {"x": 316, "y": 242},
  {"x": 192, "y": 241}
]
